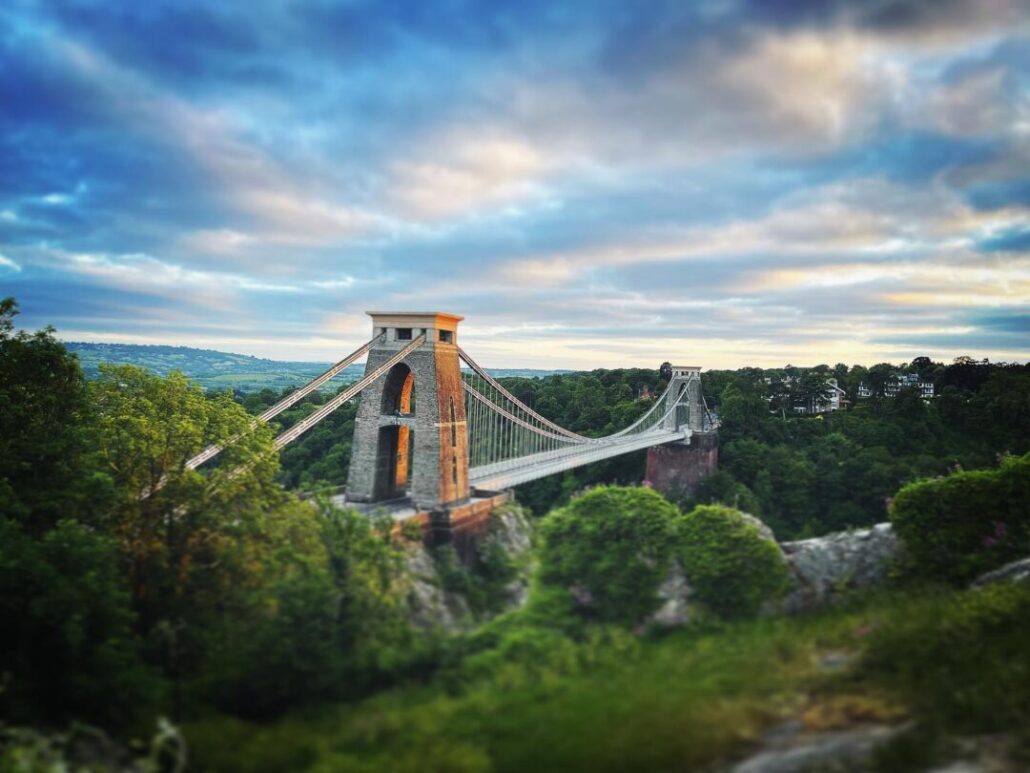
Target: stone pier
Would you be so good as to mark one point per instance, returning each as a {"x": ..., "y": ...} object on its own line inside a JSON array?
[{"x": 677, "y": 469}]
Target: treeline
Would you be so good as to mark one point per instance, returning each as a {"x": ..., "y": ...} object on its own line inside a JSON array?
[{"x": 806, "y": 475}]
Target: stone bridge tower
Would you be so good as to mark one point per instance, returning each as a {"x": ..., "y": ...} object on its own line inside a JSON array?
[{"x": 415, "y": 411}]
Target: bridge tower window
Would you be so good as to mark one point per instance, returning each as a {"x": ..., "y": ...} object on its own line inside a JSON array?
[
  {"x": 446, "y": 336},
  {"x": 404, "y": 334}
]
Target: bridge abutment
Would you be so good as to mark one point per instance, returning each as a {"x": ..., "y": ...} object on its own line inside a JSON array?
[
  {"x": 677, "y": 469},
  {"x": 462, "y": 526}
]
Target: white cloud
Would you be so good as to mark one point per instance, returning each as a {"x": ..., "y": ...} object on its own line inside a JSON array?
[{"x": 466, "y": 170}]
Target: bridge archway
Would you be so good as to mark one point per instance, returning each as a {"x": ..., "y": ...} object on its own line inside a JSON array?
[
  {"x": 398, "y": 391},
  {"x": 396, "y": 435}
]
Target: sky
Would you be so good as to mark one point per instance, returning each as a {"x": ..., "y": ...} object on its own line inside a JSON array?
[{"x": 591, "y": 184}]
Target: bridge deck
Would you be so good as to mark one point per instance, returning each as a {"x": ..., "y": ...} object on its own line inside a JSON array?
[{"x": 502, "y": 475}]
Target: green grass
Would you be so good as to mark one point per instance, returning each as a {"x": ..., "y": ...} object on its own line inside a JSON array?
[{"x": 951, "y": 661}]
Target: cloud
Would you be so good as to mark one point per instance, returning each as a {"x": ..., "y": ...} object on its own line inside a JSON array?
[
  {"x": 596, "y": 184},
  {"x": 8, "y": 264},
  {"x": 467, "y": 170}
]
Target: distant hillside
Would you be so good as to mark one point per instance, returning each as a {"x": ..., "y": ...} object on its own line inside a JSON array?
[{"x": 224, "y": 370}]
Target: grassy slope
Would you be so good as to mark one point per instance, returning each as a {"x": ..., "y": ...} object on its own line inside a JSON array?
[{"x": 955, "y": 662}]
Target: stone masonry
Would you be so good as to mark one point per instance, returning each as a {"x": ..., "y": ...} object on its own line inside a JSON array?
[
  {"x": 439, "y": 462},
  {"x": 677, "y": 469}
]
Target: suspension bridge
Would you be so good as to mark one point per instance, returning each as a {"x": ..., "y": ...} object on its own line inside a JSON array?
[{"x": 434, "y": 427}]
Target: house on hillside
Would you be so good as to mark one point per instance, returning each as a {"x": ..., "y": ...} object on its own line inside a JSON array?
[
  {"x": 897, "y": 382},
  {"x": 833, "y": 399},
  {"x": 805, "y": 399}
]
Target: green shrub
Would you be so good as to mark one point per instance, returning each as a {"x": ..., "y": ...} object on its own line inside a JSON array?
[
  {"x": 613, "y": 546},
  {"x": 962, "y": 659},
  {"x": 957, "y": 527},
  {"x": 731, "y": 568}
]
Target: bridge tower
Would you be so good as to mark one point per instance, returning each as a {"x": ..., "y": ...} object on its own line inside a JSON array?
[
  {"x": 677, "y": 469},
  {"x": 416, "y": 410}
]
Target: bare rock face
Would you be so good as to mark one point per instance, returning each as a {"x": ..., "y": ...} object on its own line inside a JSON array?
[
  {"x": 763, "y": 530},
  {"x": 823, "y": 567},
  {"x": 1015, "y": 571},
  {"x": 432, "y": 606},
  {"x": 792, "y": 750},
  {"x": 674, "y": 593},
  {"x": 511, "y": 529}
]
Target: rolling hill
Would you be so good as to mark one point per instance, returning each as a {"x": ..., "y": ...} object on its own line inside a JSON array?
[{"x": 224, "y": 370}]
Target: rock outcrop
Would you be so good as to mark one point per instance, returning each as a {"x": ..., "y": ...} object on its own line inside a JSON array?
[
  {"x": 789, "y": 749},
  {"x": 431, "y": 605},
  {"x": 1015, "y": 571},
  {"x": 821, "y": 569},
  {"x": 824, "y": 567},
  {"x": 675, "y": 594}
]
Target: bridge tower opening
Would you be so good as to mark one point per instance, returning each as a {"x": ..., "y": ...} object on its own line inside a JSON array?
[
  {"x": 393, "y": 427},
  {"x": 393, "y": 455}
]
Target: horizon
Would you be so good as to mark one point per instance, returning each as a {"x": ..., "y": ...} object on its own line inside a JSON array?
[
  {"x": 361, "y": 363},
  {"x": 732, "y": 183}
]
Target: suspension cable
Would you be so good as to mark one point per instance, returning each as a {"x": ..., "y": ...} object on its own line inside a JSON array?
[
  {"x": 293, "y": 397},
  {"x": 304, "y": 425},
  {"x": 492, "y": 382}
]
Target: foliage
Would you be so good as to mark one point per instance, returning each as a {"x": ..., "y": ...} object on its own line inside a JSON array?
[
  {"x": 688, "y": 700},
  {"x": 366, "y": 566},
  {"x": 68, "y": 640},
  {"x": 484, "y": 580},
  {"x": 182, "y": 542},
  {"x": 612, "y": 546},
  {"x": 961, "y": 659},
  {"x": 123, "y": 574},
  {"x": 966, "y": 523},
  {"x": 221, "y": 592},
  {"x": 88, "y": 749},
  {"x": 732, "y": 569},
  {"x": 811, "y": 475},
  {"x": 42, "y": 443},
  {"x": 325, "y": 621},
  {"x": 272, "y": 641}
]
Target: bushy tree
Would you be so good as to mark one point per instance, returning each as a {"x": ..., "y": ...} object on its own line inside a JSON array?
[
  {"x": 68, "y": 647},
  {"x": 966, "y": 523},
  {"x": 43, "y": 413},
  {"x": 612, "y": 547},
  {"x": 68, "y": 642},
  {"x": 731, "y": 568},
  {"x": 180, "y": 531}
]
